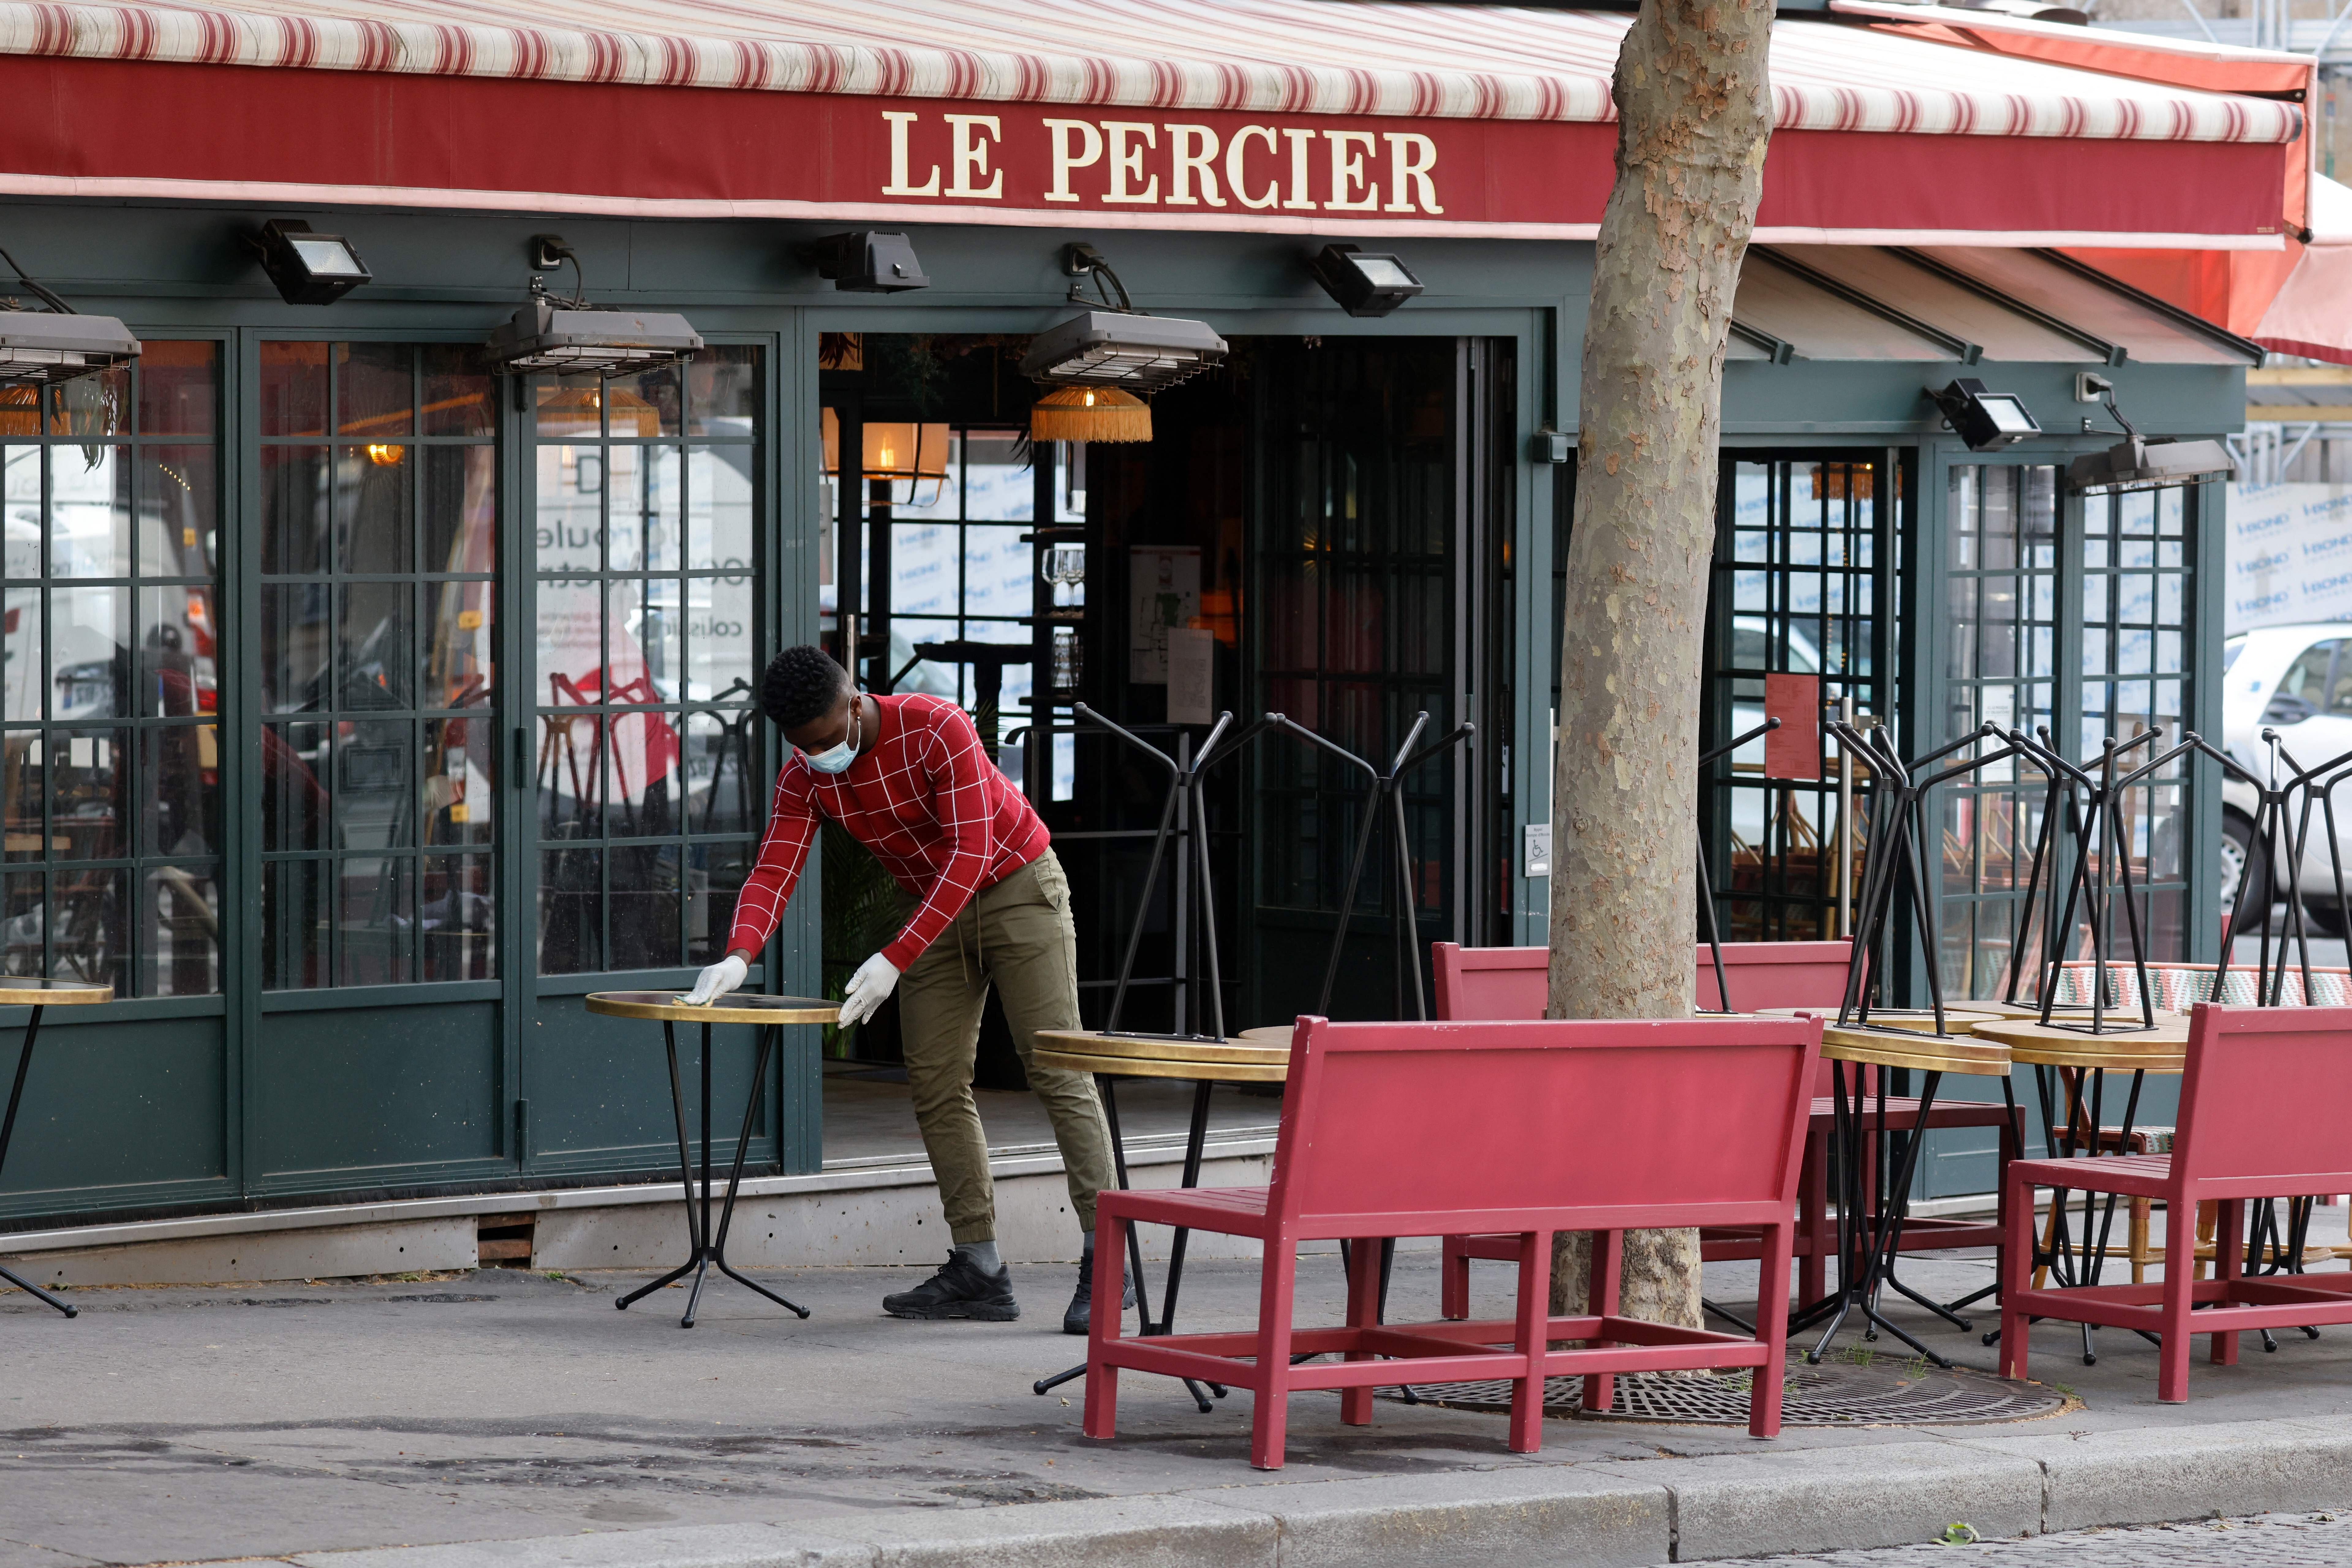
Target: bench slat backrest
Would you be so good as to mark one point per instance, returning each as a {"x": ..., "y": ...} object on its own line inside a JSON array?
[
  {"x": 1528, "y": 1125},
  {"x": 2265, "y": 1097},
  {"x": 1511, "y": 981}
]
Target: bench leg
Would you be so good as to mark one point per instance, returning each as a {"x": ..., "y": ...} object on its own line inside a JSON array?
[
  {"x": 1269, "y": 1422},
  {"x": 1363, "y": 1314},
  {"x": 1102, "y": 1381},
  {"x": 2016, "y": 1266},
  {"x": 1601, "y": 1300},
  {"x": 2228, "y": 1265},
  {"x": 1453, "y": 1278},
  {"x": 1772, "y": 1328},
  {"x": 1813, "y": 1207},
  {"x": 1534, "y": 1319}
]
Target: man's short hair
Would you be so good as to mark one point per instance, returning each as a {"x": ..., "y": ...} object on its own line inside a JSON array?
[{"x": 801, "y": 686}]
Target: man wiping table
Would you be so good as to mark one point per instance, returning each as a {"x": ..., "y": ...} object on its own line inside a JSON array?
[{"x": 907, "y": 777}]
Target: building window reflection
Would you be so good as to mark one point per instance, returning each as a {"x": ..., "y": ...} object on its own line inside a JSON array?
[
  {"x": 643, "y": 753},
  {"x": 109, "y": 770},
  {"x": 378, "y": 761}
]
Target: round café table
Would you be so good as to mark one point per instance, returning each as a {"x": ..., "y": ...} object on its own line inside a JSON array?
[
  {"x": 1868, "y": 1242},
  {"x": 2081, "y": 1061},
  {"x": 40, "y": 996},
  {"x": 1254, "y": 1056},
  {"x": 770, "y": 1013}
]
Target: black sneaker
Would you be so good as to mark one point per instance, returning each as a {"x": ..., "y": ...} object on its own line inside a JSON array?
[
  {"x": 959, "y": 1289},
  {"x": 1080, "y": 1318}
]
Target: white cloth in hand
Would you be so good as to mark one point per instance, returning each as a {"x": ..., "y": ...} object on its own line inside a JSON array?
[
  {"x": 874, "y": 981},
  {"x": 716, "y": 980}
]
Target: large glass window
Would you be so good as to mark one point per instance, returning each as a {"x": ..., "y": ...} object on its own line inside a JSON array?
[
  {"x": 1799, "y": 589},
  {"x": 2008, "y": 572},
  {"x": 378, "y": 756},
  {"x": 2001, "y": 664},
  {"x": 962, "y": 566},
  {"x": 109, "y": 770},
  {"x": 2135, "y": 678},
  {"x": 646, "y": 688}
]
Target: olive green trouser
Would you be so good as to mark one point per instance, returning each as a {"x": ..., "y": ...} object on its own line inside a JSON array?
[{"x": 1015, "y": 935}]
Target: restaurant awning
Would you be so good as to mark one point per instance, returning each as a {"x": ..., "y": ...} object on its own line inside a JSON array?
[
  {"x": 1285, "y": 116},
  {"x": 1961, "y": 305}
]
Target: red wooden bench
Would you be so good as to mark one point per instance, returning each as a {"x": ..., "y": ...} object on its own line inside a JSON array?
[
  {"x": 1511, "y": 983},
  {"x": 2262, "y": 1098},
  {"x": 1426, "y": 1129}
]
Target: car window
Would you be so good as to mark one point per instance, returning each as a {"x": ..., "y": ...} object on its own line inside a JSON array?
[
  {"x": 2339, "y": 686},
  {"x": 2306, "y": 678}
]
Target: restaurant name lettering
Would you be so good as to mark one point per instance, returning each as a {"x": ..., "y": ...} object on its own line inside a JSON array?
[{"x": 1134, "y": 162}]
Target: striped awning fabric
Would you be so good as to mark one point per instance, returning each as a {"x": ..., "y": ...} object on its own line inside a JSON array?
[{"x": 1310, "y": 56}]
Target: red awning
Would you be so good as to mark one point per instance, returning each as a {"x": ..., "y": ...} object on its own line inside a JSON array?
[{"x": 1288, "y": 116}]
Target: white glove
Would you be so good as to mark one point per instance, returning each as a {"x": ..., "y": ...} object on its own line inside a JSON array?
[
  {"x": 716, "y": 980},
  {"x": 874, "y": 981}
]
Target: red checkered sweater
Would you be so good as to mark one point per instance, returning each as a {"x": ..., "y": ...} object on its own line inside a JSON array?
[{"x": 924, "y": 798}]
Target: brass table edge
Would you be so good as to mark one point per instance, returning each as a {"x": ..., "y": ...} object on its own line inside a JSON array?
[
  {"x": 621, "y": 1004},
  {"x": 73, "y": 996}
]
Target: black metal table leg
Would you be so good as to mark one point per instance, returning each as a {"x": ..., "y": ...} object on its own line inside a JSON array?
[
  {"x": 1196, "y": 1139},
  {"x": 1864, "y": 1266},
  {"x": 704, "y": 1248},
  {"x": 7, "y": 1131}
]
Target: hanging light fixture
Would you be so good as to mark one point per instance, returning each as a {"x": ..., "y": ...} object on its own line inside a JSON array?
[
  {"x": 43, "y": 348},
  {"x": 1090, "y": 413},
  {"x": 572, "y": 337},
  {"x": 1118, "y": 345}
]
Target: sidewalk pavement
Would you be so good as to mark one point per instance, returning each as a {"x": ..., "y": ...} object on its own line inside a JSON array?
[{"x": 508, "y": 1418}]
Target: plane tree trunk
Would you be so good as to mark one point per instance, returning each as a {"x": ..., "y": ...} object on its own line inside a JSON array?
[{"x": 1693, "y": 114}]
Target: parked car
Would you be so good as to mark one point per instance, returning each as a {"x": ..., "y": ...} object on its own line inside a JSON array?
[{"x": 2297, "y": 680}]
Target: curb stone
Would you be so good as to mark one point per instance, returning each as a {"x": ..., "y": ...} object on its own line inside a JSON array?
[
  {"x": 1822, "y": 1500},
  {"x": 1600, "y": 1514},
  {"x": 2154, "y": 1477}
]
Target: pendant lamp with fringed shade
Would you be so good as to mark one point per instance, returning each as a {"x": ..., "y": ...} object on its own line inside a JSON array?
[{"x": 1090, "y": 413}]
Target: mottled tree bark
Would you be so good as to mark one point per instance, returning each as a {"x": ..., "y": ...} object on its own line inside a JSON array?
[{"x": 1694, "y": 113}]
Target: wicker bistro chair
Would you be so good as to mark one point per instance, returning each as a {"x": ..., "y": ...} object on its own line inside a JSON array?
[{"x": 2238, "y": 1139}]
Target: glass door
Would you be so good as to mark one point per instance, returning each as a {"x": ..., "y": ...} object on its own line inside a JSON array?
[{"x": 642, "y": 763}]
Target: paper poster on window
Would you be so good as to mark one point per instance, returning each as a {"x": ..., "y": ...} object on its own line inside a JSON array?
[
  {"x": 1191, "y": 676},
  {"x": 1794, "y": 749},
  {"x": 2289, "y": 555},
  {"x": 1163, "y": 588}
]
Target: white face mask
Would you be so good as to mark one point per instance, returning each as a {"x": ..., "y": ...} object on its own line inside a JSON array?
[{"x": 836, "y": 759}]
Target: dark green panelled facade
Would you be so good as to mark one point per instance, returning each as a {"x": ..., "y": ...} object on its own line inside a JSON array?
[{"x": 169, "y": 1103}]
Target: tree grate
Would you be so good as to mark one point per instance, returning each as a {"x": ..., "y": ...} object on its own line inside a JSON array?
[{"x": 1883, "y": 1392}]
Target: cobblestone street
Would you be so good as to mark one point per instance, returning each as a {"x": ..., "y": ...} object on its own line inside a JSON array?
[{"x": 2302, "y": 1541}]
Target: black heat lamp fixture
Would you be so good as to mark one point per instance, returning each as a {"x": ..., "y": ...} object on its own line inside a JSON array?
[
  {"x": 44, "y": 348},
  {"x": 1118, "y": 345},
  {"x": 572, "y": 337},
  {"x": 2138, "y": 463},
  {"x": 1363, "y": 283}
]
